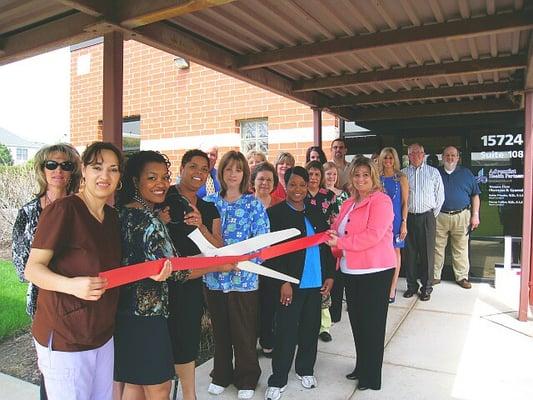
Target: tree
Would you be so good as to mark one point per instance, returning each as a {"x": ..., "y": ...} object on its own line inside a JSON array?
[{"x": 5, "y": 155}]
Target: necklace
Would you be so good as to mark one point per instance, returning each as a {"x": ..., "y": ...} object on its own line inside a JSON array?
[
  {"x": 47, "y": 199},
  {"x": 396, "y": 184},
  {"x": 142, "y": 202},
  {"x": 99, "y": 216}
]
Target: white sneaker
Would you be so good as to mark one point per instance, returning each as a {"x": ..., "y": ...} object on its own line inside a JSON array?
[
  {"x": 308, "y": 381},
  {"x": 274, "y": 393},
  {"x": 245, "y": 394},
  {"x": 215, "y": 389}
]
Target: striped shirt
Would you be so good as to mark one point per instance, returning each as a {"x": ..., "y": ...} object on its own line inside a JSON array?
[{"x": 426, "y": 191}]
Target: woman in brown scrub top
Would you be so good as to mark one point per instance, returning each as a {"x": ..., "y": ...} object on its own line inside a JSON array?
[{"x": 77, "y": 237}]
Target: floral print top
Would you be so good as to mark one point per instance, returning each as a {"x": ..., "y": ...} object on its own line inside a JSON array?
[
  {"x": 325, "y": 200},
  {"x": 23, "y": 233},
  {"x": 341, "y": 198},
  {"x": 145, "y": 238},
  {"x": 242, "y": 219}
]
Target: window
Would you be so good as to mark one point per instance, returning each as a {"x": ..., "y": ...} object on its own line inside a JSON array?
[
  {"x": 131, "y": 134},
  {"x": 254, "y": 135},
  {"x": 22, "y": 154}
]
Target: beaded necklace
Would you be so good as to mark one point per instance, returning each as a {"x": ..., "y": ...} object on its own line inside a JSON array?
[{"x": 136, "y": 197}]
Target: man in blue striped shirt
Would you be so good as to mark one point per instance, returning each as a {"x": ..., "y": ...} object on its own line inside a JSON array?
[{"x": 426, "y": 195}]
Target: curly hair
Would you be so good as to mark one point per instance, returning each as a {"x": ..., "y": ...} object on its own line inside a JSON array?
[
  {"x": 190, "y": 154},
  {"x": 264, "y": 166},
  {"x": 134, "y": 167}
]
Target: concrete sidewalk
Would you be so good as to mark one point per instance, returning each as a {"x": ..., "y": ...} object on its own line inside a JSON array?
[{"x": 462, "y": 344}]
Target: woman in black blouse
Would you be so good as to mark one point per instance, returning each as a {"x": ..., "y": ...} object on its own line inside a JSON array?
[
  {"x": 186, "y": 304},
  {"x": 143, "y": 350}
]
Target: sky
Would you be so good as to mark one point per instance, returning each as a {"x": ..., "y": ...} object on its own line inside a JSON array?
[{"x": 35, "y": 97}]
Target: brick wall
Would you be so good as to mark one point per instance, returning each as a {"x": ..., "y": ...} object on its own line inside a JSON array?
[{"x": 173, "y": 103}]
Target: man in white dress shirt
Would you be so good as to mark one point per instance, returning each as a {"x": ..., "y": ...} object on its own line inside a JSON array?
[{"x": 426, "y": 195}]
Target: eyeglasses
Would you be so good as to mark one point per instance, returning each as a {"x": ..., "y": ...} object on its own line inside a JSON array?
[{"x": 67, "y": 166}]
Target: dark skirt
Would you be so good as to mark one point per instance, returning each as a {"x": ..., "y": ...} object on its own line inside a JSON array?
[
  {"x": 143, "y": 352},
  {"x": 186, "y": 307}
]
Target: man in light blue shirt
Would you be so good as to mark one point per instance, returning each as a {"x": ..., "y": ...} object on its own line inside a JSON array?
[{"x": 426, "y": 195}]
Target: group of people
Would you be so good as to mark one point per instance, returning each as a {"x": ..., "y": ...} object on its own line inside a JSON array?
[{"x": 129, "y": 342}]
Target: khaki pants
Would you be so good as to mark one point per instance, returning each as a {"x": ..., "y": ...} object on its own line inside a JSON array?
[{"x": 455, "y": 227}]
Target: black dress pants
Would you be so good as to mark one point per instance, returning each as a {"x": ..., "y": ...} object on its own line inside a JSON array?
[
  {"x": 367, "y": 296},
  {"x": 337, "y": 293},
  {"x": 420, "y": 246},
  {"x": 269, "y": 291},
  {"x": 297, "y": 324}
]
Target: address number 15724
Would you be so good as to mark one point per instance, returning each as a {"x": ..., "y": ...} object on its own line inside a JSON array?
[{"x": 502, "y": 140}]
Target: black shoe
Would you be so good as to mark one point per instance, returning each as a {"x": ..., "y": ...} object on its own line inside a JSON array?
[
  {"x": 362, "y": 387},
  {"x": 409, "y": 293},
  {"x": 352, "y": 376},
  {"x": 325, "y": 337},
  {"x": 424, "y": 296}
]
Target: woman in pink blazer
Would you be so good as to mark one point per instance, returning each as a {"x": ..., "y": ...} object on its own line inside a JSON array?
[{"x": 361, "y": 238}]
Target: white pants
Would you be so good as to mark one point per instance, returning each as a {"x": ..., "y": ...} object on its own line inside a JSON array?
[{"x": 77, "y": 375}]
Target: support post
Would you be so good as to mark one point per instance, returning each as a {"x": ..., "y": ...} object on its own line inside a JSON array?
[
  {"x": 113, "y": 88},
  {"x": 526, "y": 277},
  {"x": 317, "y": 126}
]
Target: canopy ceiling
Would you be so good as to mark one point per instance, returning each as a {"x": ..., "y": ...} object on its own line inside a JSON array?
[{"x": 363, "y": 60}]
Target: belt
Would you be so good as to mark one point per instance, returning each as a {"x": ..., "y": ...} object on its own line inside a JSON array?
[
  {"x": 453, "y": 212},
  {"x": 422, "y": 213}
]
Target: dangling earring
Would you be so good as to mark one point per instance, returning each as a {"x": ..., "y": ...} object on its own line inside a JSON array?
[{"x": 119, "y": 187}]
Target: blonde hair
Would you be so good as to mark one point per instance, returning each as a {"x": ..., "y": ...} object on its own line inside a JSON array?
[
  {"x": 386, "y": 151},
  {"x": 285, "y": 157},
  {"x": 254, "y": 153},
  {"x": 44, "y": 154},
  {"x": 374, "y": 174}
]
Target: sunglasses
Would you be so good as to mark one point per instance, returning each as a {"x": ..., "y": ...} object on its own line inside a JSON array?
[{"x": 65, "y": 165}]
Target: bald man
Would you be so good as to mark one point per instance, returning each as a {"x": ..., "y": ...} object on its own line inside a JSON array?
[
  {"x": 211, "y": 185},
  {"x": 458, "y": 216}
]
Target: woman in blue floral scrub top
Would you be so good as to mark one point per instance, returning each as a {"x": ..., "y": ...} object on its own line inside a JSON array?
[{"x": 232, "y": 297}]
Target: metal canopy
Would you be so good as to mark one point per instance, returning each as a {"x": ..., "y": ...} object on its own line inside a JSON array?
[{"x": 363, "y": 60}]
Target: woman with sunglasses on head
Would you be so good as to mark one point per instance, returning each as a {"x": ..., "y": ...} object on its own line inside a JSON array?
[
  {"x": 57, "y": 168},
  {"x": 396, "y": 185},
  {"x": 232, "y": 297},
  {"x": 143, "y": 349},
  {"x": 78, "y": 237},
  {"x": 186, "y": 300}
]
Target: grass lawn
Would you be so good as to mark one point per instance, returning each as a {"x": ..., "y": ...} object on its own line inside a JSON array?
[{"x": 13, "y": 315}]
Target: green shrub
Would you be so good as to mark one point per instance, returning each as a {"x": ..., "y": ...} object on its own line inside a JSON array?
[{"x": 13, "y": 317}]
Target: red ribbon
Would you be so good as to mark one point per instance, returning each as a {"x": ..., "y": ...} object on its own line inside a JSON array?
[{"x": 132, "y": 273}]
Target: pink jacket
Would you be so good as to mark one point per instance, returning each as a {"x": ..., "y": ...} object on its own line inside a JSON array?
[{"x": 368, "y": 237}]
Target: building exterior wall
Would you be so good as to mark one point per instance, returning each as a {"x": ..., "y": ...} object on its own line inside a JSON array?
[
  {"x": 30, "y": 153},
  {"x": 181, "y": 109}
]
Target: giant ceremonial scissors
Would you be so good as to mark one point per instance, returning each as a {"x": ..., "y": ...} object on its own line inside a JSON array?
[{"x": 241, "y": 253}]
